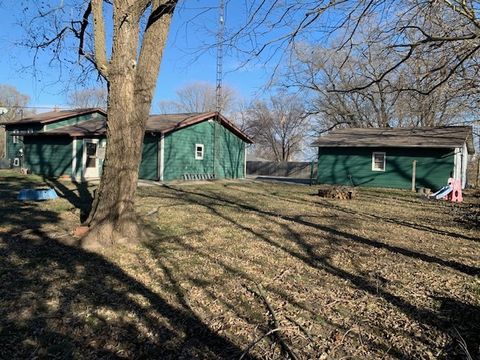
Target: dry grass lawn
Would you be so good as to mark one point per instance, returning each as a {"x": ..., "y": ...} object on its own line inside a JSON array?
[{"x": 388, "y": 275}]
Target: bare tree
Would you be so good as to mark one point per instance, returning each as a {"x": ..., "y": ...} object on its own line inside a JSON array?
[
  {"x": 88, "y": 98},
  {"x": 278, "y": 127},
  {"x": 318, "y": 72},
  {"x": 14, "y": 102},
  {"x": 198, "y": 96},
  {"x": 446, "y": 31},
  {"x": 138, "y": 32}
]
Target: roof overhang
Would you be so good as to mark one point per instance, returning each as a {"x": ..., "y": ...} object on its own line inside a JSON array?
[
  {"x": 215, "y": 116},
  {"x": 433, "y": 138},
  {"x": 56, "y": 117}
]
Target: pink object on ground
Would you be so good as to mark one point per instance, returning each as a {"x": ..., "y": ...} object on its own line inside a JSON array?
[{"x": 456, "y": 194}]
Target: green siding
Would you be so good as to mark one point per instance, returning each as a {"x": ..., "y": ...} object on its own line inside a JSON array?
[
  {"x": 13, "y": 149},
  {"x": 230, "y": 155},
  {"x": 179, "y": 153},
  {"x": 149, "y": 164},
  {"x": 50, "y": 156},
  {"x": 73, "y": 121},
  {"x": 339, "y": 165}
]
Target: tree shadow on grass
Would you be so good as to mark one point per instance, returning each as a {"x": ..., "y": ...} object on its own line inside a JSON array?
[
  {"x": 60, "y": 301},
  {"x": 452, "y": 313},
  {"x": 80, "y": 196}
]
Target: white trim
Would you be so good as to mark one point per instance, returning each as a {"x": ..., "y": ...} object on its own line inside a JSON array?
[
  {"x": 74, "y": 159},
  {"x": 457, "y": 163},
  {"x": 84, "y": 160},
  {"x": 5, "y": 155},
  {"x": 15, "y": 138},
  {"x": 464, "y": 158},
  {"x": 244, "y": 160},
  {"x": 196, "y": 152},
  {"x": 161, "y": 156},
  {"x": 384, "y": 160}
]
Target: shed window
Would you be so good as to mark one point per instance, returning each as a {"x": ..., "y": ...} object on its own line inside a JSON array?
[
  {"x": 198, "y": 151},
  {"x": 378, "y": 161}
]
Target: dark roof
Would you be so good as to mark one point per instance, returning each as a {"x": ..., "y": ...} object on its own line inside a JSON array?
[
  {"x": 52, "y": 116},
  {"x": 155, "y": 123},
  {"x": 436, "y": 137},
  {"x": 89, "y": 127}
]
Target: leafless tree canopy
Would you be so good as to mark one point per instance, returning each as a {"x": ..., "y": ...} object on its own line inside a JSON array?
[
  {"x": 278, "y": 127},
  {"x": 198, "y": 97},
  {"x": 370, "y": 63},
  {"x": 88, "y": 98},
  {"x": 15, "y": 102},
  {"x": 380, "y": 62},
  {"x": 319, "y": 72}
]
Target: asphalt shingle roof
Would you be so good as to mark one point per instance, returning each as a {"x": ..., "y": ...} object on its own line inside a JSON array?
[
  {"x": 52, "y": 116},
  {"x": 155, "y": 123},
  {"x": 437, "y": 137}
]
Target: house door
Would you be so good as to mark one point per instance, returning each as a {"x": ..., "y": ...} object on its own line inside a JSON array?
[{"x": 90, "y": 160}]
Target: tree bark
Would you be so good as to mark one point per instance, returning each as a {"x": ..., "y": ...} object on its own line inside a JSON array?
[{"x": 131, "y": 84}]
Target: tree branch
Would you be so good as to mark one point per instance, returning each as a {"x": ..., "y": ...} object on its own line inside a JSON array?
[{"x": 99, "y": 34}]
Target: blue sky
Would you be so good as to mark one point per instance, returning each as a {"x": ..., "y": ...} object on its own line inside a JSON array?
[{"x": 181, "y": 63}]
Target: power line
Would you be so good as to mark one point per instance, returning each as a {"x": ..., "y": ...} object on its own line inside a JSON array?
[{"x": 34, "y": 107}]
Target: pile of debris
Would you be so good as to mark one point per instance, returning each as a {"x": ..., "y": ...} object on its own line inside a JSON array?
[{"x": 338, "y": 192}]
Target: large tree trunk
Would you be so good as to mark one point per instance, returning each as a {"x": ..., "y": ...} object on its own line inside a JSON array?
[{"x": 131, "y": 86}]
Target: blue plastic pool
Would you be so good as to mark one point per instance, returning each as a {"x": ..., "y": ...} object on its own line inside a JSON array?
[{"x": 37, "y": 194}]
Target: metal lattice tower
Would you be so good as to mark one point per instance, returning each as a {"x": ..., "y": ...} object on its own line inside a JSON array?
[{"x": 220, "y": 40}]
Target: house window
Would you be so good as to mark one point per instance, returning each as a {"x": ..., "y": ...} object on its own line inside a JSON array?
[
  {"x": 198, "y": 151},
  {"x": 378, "y": 161},
  {"x": 15, "y": 138}
]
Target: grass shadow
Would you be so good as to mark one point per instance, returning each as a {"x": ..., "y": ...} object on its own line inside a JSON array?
[{"x": 59, "y": 301}]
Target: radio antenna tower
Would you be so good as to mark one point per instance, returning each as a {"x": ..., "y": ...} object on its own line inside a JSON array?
[{"x": 220, "y": 40}]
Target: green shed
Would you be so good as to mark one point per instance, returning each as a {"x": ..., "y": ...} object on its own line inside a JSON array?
[
  {"x": 394, "y": 157},
  {"x": 72, "y": 143}
]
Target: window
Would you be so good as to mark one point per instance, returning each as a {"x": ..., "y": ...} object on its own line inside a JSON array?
[
  {"x": 15, "y": 138},
  {"x": 198, "y": 151},
  {"x": 378, "y": 161},
  {"x": 91, "y": 151}
]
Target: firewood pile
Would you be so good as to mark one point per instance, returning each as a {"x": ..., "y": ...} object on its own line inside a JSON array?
[{"x": 338, "y": 192}]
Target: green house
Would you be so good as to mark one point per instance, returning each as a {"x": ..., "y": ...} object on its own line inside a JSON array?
[
  {"x": 394, "y": 157},
  {"x": 71, "y": 143}
]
